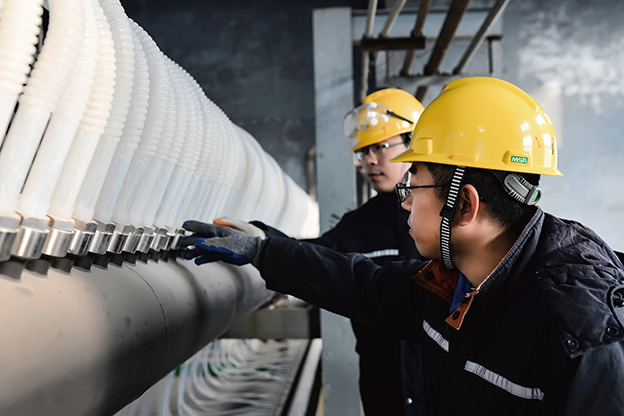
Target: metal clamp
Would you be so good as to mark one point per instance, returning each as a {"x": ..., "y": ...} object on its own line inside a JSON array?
[
  {"x": 60, "y": 235},
  {"x": 8, "y": 233},
  {"x": 168, "y": 242},
  {"x": 134, "y": 238},
  {"x": 146, "y": 239},
  {"x": 119, "y": 238},
  {"x": 102, "y": 238},
  {"x": 83, "y": 235},
  {"x": 31, "y": 237},
  {"x": 160, "y": 238},
  {"x": 177, "y": 237}
]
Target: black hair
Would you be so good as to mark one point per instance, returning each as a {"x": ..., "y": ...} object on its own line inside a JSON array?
[
  {"x": 502, "y": 206},
  {"x": 407, "y": 138}
]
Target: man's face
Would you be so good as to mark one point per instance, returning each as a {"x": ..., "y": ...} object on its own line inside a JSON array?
[
  {"x": 424, "y": 208},
  {"x": 382, "y": 174}
]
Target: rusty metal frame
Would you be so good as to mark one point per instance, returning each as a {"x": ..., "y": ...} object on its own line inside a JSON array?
[{"x": 456, "y": 12}]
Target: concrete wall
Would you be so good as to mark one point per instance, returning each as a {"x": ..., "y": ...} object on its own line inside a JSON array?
[
  {"x": 569, "y": 55},
  {"x": 253, "y": 59}
]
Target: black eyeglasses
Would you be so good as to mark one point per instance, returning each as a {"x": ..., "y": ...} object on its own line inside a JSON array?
[
  {"x": 378, "y": 149},
  {"x": 403, "y": 189}
]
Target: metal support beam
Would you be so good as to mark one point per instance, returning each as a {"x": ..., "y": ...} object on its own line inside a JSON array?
[
  {"x": 453, "y": 18},
  {"x": 423, "y": 11},
  {"x": 370, "y": 21},
  {"x": 389, "y": 44},
  {"x": 490, "y": 20},
  {"x": 333, "y": 85}
]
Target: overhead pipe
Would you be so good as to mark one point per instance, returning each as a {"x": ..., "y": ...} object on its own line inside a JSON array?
[
  {"x": 454, "y": 16},
  {"x": 495, "y": 12},
  {"x": 423, "y": 11}
]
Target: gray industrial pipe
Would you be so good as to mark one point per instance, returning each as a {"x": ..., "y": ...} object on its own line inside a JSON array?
[{"x": 90, "y": 342}]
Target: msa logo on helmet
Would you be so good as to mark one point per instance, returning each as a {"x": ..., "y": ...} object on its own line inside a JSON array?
[{"x": 520, "y": 159}]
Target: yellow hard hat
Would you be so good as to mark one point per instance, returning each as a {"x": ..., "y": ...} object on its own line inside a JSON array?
[
  {"x": 485, "y": 123},
  {"x": 383, "y": 114}
]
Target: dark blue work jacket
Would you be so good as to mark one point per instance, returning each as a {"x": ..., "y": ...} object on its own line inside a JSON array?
[
  {"x": 391, "y": 382},
  {"x": 542, "y": 335}
]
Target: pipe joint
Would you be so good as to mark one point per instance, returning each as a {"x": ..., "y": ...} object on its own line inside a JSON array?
[
  {"x": 168, "y": 243},
  {"x": 83, "y": 235},
  {"x": 160, "y": 239},
  {"x": 60, "y": 235},
  {"x": 177, "y": 237},
  {"x": 9, "y": 225},
  {"x": 119, "y": 238},
  {"x": 102, "y": 237},
  {"x": 134, "y": 238},
  {"x": 31, "y": 237},
  {"x": 146, "y": 240}
]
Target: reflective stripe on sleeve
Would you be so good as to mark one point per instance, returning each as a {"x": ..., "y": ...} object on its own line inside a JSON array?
[
  {"x": 436, "y": 336},
  {"x": 382, "y": 253},
  {"x": 531, "y": 393}
]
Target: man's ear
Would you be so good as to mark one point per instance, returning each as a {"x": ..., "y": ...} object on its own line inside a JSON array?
[{"x": 468, "y": 200}]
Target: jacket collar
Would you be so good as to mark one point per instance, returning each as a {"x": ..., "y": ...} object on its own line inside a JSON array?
[{"x": 442, "y": 281}]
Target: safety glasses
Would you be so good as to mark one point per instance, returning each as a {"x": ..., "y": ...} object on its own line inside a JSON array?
[
  {"x": 403, "y": 189},
  {"x": 378, "y": 149}
]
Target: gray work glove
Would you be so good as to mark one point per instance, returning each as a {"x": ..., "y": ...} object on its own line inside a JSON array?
[{"x": 211, "y": 242}]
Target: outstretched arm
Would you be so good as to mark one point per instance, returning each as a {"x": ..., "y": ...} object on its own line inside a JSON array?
[{"x": 347, "y": 284}]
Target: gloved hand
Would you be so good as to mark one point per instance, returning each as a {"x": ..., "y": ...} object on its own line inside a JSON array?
[
  {"x": 220, "y": 243},
  {"x": 243, "y": 226}
]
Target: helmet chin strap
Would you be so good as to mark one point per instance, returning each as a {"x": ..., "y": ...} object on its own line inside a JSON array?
[
  {"x": 515, "y": 185},
  {"x": 447, "y": 213}
]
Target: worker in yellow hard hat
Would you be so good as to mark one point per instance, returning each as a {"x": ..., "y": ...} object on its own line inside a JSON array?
[
  {"x": 381, "y": 128},
  {"x": 518, "y": 312}
]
